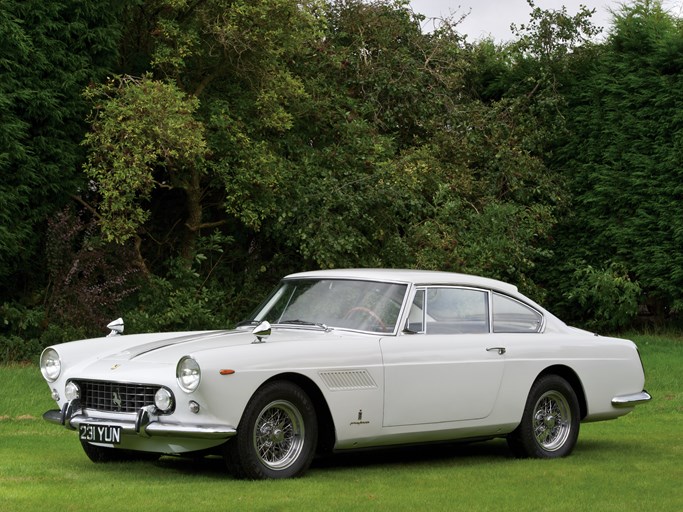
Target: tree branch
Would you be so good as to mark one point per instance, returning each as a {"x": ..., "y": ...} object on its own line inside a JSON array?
[
  {"x": 205, "y": 225},
  {"x": 86, "y": 205}
]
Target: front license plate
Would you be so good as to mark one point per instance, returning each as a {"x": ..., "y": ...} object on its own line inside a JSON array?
[{"x": 110, "y": 434}]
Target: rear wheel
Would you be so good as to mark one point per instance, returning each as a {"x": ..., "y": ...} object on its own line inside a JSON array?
[
  {"x": 550, "y": 422},
  {"x": 277, "y": 435}
]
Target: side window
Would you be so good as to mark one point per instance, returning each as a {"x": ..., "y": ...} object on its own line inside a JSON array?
[
  {"x": 510, "y": 315},
  {"x": 417, "y": 312},
  {"x": 456, "y": 311}
]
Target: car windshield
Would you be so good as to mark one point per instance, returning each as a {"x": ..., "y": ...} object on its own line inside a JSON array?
[{"x": 368, "y": 306}]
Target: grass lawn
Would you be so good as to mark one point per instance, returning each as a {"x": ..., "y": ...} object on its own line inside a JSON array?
[{"x": 630, "y": 464}]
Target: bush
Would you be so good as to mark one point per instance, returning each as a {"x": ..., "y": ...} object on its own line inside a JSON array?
[
  {"x": 88, "y": 277},
  {"x": 181, "y": 301},
  {"x": 25, "y": 331},
  {"x": 15, "y": 349},
  {"x": 606, "y": 299}
]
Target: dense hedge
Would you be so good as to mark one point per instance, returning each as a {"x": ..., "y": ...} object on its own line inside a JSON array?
[{"x": 168, "y": 161}]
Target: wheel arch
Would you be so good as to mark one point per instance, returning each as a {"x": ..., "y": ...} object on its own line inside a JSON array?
[
  {"x": 574, "y": 381},
  {"x": 326, "y": 429}
]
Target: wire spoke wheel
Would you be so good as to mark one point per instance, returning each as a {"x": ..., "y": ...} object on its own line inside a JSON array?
[
  {"x": 278, "y": 435},
  {"x": 552, "y": 421}
]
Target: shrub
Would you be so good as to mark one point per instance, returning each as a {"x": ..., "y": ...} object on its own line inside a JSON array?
[
  {"x": 88, "y": 277},
  {"x": 180, "y": 301},
  {"x": 605, "y": 298}
]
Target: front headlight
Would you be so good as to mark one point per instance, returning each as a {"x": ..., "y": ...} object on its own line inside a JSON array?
[
  {"x": 163, "y": 399},
  {"x": 188, "y": 374},
  {"x": 72, "y": 391},
  {"x": 50, "y": 364}
]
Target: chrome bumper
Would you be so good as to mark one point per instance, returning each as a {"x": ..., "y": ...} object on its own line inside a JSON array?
[
  {"x": 145, "y": 424},
  {"x": 631, "y": 400}
]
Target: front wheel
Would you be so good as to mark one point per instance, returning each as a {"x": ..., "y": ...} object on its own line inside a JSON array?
[
  {"x": 550, "y": 422},
  {"x": 277, "y": 435}
]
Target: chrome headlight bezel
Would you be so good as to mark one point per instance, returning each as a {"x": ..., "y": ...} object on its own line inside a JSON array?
[
  {"x": 72, "y": 391},
  {"x": 163, "y": 400},
  {"x": 50, "y": 364},
  {"x": 188, "y": 374}
]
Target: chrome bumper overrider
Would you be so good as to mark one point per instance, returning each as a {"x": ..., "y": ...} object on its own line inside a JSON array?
[
  {"x": 631, "y": 400},
  {"x": 145, "y": 424}
]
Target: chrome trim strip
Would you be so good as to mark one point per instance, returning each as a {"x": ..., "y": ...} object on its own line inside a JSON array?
[
  {"x": 191, "y": 431},
  {"x": 631, "y": 400}
]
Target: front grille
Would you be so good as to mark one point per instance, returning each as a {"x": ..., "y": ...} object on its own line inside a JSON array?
[{"x": 116, "y": 396}]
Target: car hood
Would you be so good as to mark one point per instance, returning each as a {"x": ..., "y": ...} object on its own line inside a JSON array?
[
  {"x": 169, "y": 348},
  {"x": 161, "y": 347},
  {"x": 131, "y": 357}
]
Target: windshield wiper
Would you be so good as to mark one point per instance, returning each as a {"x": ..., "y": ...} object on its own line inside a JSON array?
[{"x": 304, "y": 322}]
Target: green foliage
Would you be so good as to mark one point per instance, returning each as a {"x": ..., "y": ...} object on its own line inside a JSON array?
[
  {"x": 51, "y": 51},
  {"x": 16, "y": 48},
  {"x": 143, "y": 136},
  {"x": 19, "y": 332},
  {"x": 249, "y": 171},
  {"x": 623, "y": 159},
  {"x": 189, "y": 297},
  {"x": 530, "y": 71},
  {"x": 551, "y": 35},
  {"x": 88, "y": 277},
  {"x": 351, "y": 144},
  {"x": 20, "y": 319},
  {"x": 606, "y": 298},
  {"x": 270, "y": 136},
  {"x": 13, "y": 348},
  {"x": 181, "y": 301},
  {"x": 24, "y": 332}
]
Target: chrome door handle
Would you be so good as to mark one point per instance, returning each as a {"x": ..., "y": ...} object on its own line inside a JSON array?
[{"x": 501, "y": 350}]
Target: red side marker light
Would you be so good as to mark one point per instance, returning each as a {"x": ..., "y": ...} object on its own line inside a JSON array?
[{"x": 226, "y": 372}]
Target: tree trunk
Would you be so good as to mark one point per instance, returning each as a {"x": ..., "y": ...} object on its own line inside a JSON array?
[{"x": 193, "y": 223}]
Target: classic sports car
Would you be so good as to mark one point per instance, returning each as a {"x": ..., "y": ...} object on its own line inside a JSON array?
[{"x": 346, "y": 359}]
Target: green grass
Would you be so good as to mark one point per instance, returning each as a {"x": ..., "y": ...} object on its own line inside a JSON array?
[{"x": 633, "y": 463}]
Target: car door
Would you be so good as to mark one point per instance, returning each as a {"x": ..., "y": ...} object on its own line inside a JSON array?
[{"x": 446, "y": 366}]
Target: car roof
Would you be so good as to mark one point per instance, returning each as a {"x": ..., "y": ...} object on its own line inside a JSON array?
[{"x": 418, "y": 277}]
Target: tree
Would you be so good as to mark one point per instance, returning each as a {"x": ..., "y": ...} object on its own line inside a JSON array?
[
  {"x": 338, "y": 138},
  {"x": 51, "y": 51},
  {"x": 221, "y": 69},
  {"x": 144, "y": 135},
  {"x": 623, "y": 158}
]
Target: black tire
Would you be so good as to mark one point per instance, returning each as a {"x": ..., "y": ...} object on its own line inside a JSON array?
[
  {"x": 103, "y": 454},
  {"x": 277, "y": 435},
  {"x": 550, "y": 422}
]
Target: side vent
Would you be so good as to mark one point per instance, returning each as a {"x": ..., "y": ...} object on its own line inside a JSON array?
[{"x": 341, "y": 380}]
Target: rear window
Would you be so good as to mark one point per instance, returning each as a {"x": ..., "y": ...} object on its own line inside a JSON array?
[{"x": 510, "y": 315}]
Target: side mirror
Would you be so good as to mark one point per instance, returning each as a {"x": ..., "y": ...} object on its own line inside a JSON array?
[
  {"x": 116, "y": 327},
  {"x": 261, "y": 331}
]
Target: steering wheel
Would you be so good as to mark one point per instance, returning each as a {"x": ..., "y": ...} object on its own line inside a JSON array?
[{"x": 370, "y": 313}]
